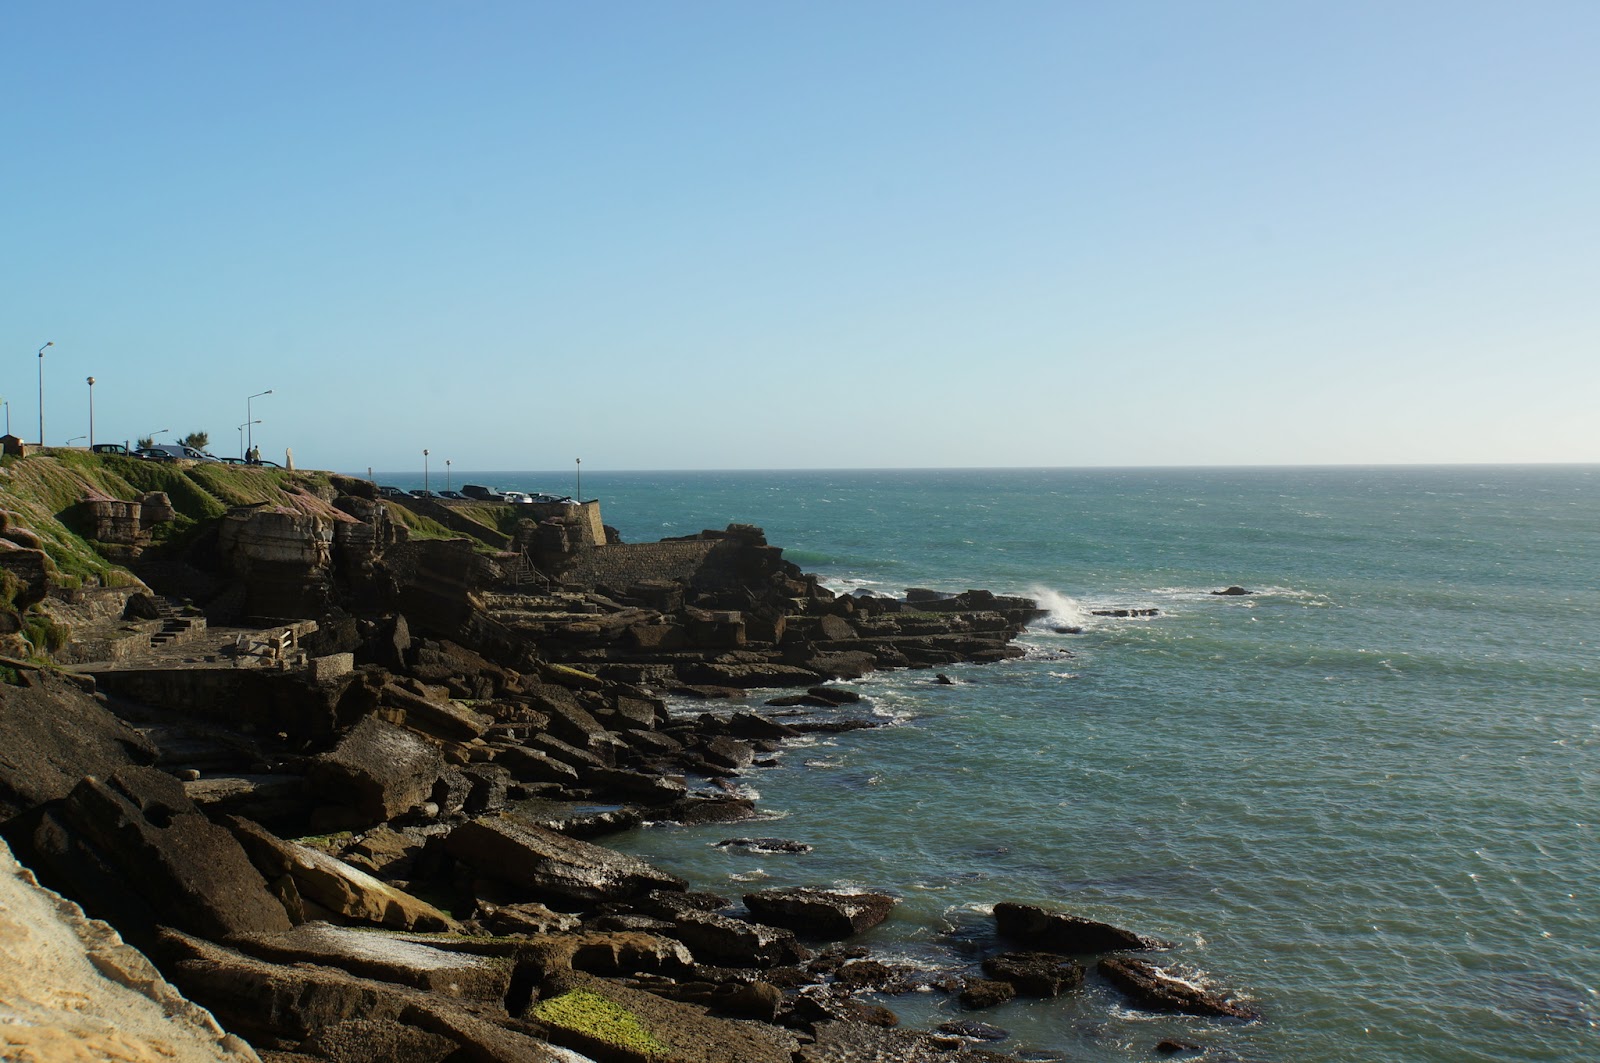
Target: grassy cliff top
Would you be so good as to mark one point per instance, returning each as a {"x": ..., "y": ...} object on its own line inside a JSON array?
[{"x": 42, "y": 491}]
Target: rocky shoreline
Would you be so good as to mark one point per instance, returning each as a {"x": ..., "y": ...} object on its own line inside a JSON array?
[{"x": 356, "y": 806}]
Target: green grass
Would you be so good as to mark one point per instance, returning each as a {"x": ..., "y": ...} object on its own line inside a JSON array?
[
  {"x": 421, "y": 527},
  {"x": 589, "y": 1014},
  {"x": 43, "y": 492}
]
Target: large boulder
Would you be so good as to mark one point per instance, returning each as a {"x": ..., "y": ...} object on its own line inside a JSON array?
[
  {"x": 1061, "y": 932},
  {"x": 721, "y": 940},
  {"x": 52, "y": 734},
  {"x": 377, "y": 770},
  {"x": 138, "y": 852},
  {"x": 815, "y": 913},
  {"x": 551, "y": 864}
]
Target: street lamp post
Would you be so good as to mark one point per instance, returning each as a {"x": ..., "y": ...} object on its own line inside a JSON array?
[
  {"x": 424, "y": 474},
  {"x": 7, "y": 404},
  {"x": 152, "y": 436},
  {"x": 73, "y": 440},
  {"x": 250, "y": 431},
  {"x": 447, "y": 474},
  {"x": 91, "y": 414},
  {"x": 52, "y": 343},
  {"x": 580, "y": 478}
]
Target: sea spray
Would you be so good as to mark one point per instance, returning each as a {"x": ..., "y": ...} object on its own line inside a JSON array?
[{"x": 1065, "y": 611}]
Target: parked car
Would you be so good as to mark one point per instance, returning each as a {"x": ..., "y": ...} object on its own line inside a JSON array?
[
  {"x": 151, "y": 454},
  {"x": 391, "y": 492},
  {"x": 516, "y": 497},
  {"x": 177, "y": 452},
  {"x": 455, "y": 495},
  {"x": 111, "y": 448},
  {"x": 417, "y": 492},
  {"x": 481, "y": 493}
]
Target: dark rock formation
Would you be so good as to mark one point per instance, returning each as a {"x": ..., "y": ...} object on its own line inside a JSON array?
[
  {"x": 977, "y": 993},
  {"x": 821, "y": 914},
  {"x": 1062, "y": 932},
  {"x": 377, "y": 771},
  {"x": 1233, "y": 591},
  {"x": 552, "y": 865},
  {"x": 1155, "y": 989},
  {"x": 1035, "y": 974},
  {"x": 138, "y": 853},
  {"x": 718, "y": 939},
  {"x": 52, "y": 734}
]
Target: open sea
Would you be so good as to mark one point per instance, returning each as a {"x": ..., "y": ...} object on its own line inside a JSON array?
[{"x": 1365, "y": 798}]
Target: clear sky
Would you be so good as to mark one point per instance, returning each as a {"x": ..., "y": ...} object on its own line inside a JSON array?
[{"x": 695, "y": 234}]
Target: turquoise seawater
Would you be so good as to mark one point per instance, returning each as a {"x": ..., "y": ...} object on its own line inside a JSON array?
[{"x": 1364, "y": 798}]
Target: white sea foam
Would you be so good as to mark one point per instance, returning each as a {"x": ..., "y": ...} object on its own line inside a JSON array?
[{"x": 1065, "y": 611}]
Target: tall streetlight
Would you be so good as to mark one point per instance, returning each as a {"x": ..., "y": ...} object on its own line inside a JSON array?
[
  {"x": 580, "y": 478},
  {"x": 447, "y": 474},
  {"x": 152, "y": 436},
  {"x": 424, "y": 474},
  {"x": 91, "y": 414},
  {"x": 52, "y": 343},
  {"x": 242, "y": 451},
  {"x": 250, "y": 432},
  {"x": 73, "y": 440},
  {"x": 7, "y": 404}
]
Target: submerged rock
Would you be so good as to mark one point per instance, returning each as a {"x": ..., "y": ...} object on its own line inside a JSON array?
[
  {"x": 1035, "y": 974},
  {"x": 1154, "y": 989}
]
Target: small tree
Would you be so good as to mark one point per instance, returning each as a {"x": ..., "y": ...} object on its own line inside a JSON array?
[
  {"x": 144, "y": 443},
  {"x": 197, "y": 440}
]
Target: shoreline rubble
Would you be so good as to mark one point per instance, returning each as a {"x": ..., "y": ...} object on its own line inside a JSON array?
[{"x": 324, "y": 847}]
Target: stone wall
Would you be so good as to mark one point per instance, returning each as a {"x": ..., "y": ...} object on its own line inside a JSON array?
[{"x": 621, "y": 565}]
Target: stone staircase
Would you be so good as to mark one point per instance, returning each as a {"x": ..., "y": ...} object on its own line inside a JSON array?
[
  {"x": 521, "y": 572},
  {"x": 177, "y": 624}
]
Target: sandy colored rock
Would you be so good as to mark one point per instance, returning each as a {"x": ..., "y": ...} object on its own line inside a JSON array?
[{"x": 73, "y": 990}]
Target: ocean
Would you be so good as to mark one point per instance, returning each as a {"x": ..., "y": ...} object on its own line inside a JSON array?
[{"x": 1363, "y": 798}]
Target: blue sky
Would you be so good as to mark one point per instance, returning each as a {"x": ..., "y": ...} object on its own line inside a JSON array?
[{"x": 832, "y": 235}]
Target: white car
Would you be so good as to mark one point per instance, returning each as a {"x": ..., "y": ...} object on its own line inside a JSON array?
[{"x": 516, "y": 496}]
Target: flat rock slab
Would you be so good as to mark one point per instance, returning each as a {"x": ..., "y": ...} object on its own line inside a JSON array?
[
  {"x": 442, "y": 717},
  {"x": 825, "y": 914},
  {"x": 548, "y": 863},
  {"x": 380, "y": 956},
  {"x": 336, "y": 886},
  {"x": 1060, "y": 932},
  {"x": 298, "y": 1003},
  {"x": 853, "y": 1042}
]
